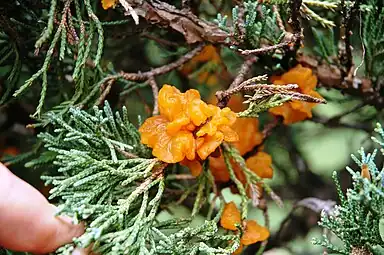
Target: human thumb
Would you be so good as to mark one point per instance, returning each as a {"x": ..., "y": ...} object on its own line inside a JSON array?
[{"x": 27, "y": 220}]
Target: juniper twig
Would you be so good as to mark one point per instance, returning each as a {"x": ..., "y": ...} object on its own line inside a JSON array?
[
  {"x": 105, "y": 92},
  {"x": 294, "y": 20},
  {"x": 264, "y": 49},
  {"x": 163, "y": 69},
  {"x": 279, "y": 21},
  {"x": 155, "y": 91},
  {"x": 145, "y": 76},
  {"x": 263, "y": 206},
  {"x": 224, "y": 96}
]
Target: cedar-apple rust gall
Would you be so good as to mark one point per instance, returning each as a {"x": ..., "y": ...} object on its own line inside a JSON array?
[{"x": 187, "y": 130}]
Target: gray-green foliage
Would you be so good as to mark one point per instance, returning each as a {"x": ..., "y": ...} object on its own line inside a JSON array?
[
  {"x": 325, "y": 43},
  {"x": 105, "y": 178},
  {"x": 257, "y": 25},
  {"x": 358, "y": 219},
  {"x": 373, "y": 39},
  {"x": 263, "y": 25},
  {"x": 73, "y": 36},
  {"x": 9, "y": 54}
]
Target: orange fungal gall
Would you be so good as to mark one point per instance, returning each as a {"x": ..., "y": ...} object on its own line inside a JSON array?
[{"x": 187, "y": 129}]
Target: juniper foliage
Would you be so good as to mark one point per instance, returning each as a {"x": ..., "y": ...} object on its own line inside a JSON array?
[
  {"x": 373, "y": 39},
  {"x": 359, "y": 218},
  {"x": 258, "y": 25},
  {"x": 103, "y": 175},
  {"x": 106, "y": 178}
]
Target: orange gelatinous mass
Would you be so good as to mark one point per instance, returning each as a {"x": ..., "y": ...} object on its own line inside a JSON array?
[
  {"x": 296, "y": 111},
  {"x": 247, "y": 129},
  {"x": 219, "y": 169},
  {"x": 187, "y": 128},
  {"x": 169, "y": 148},
  {"x": 365, "y": 172},
  {"x": 108, "y": 4},
  {"x": 261, "y": 164},
  {"x": 207, "y": 67},
  {"x": 253, "y": 233},
  {"x": 193, "y": 165},
  {"x": 230, "y": 216},
  {"x": 239, "y": 250}
]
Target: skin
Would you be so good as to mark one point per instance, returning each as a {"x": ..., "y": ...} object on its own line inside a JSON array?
[{"x": 27, "y": 220}]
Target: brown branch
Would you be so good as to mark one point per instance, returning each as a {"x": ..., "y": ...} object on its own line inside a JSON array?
[
  {"x": 264, "y": 49},
  {"x": 149, "y": 76},
  {"x": 279, "y": 21},
  {"x": 155, "y": 91},
  {"x": 193, "y": 29},
  {"x": 72, "y": 36},
  {"x": 288, "y": 41},
  {"x": 267, "y": 130},
  {"x": 105, "y": 93},
  {"x": 244, "y": 70},
  {"x": 163, "y": 69},
  {"x": 224, "y": 96},
  {"x": 295, "y": 14},
  {"x": 330, "y": 76},
  {"x": 346, "y": 58},
  {"x": 157, "y": 173},
  {"x": 240, "y": 22},
  {"x": 294, "y": 20}
]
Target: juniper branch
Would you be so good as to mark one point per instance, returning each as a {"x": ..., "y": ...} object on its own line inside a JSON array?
[{"x": 224, "y": 96}]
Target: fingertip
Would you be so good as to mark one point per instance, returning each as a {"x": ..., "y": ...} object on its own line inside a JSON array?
[
  {"x": 60, "y": 231},
  {"x": 28, "y": 222}
]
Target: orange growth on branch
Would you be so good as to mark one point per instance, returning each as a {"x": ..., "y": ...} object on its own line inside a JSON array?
[
  {"x": 249, "y": 137},
  {"x": 252, "y": 232},
  {"x": 188, "y": 129},
  {"x": 296, "y": 111}
]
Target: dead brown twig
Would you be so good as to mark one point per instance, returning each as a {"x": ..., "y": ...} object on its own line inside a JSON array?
[
  {"x": 288, "y": 41},
  {"x": 349, "y": 17},
  {"x": 105, "y": 92},
  {"x": 185, "y": 22},
  {"x": 262, "y": 90},
  {"x": 267, "y": 90},
  {"x": 160, "y": 40},
  {"x": 155, "y": 91},
  {"x": 149, "y": 76},
  {"x": 331, "y": 76},
  {"x": 279, "y": 21},
  {"x": 263, "y": 206},
  {"x": 163, "y": 69},
  {"x": 240, "y": 22},
  {"x": 264, "y": 49},
  {"x": 224, "y": 96},
  {"x": 295, "y": 21}
]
